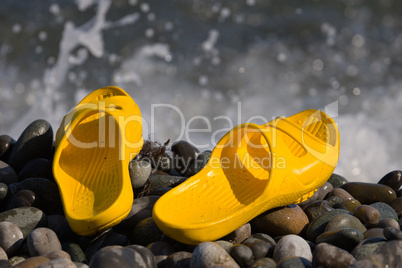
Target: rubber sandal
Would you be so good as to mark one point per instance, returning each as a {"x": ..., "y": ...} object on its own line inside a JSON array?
[
  {"x": 94, "y": 144},
  {"x": 251, "y": 170}
]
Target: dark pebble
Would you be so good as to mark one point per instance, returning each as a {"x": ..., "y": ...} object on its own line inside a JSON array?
[
  {"x": 107, "y": 238},
  {"x": 317, "y": 227},
  {"x": 162, "y": 181},
  {"x": 374, "y": 232},
  {"x": 6, "y": 146},
  {"x": 343, "y": 194},
  {"x": 180, "y": 259},
  {"x": 294, "y": 262},
  {"x": 393, "y": 179},
  {"x": 332, "y": 200},
  {"x": 345, "y": 238},
  {"x": 36, "y": 168},
  {"x": 242, "y": 254},
  {"x": 324, "y": 190},
  {"x": 327, "y": 255},
  {"x": 198, "y": 164},
  {"x": 391, "y": 233},
  {"x": 260, "y": 248},
  {"x": 123, "y": 257},
  {"x": 7, "y": 174},
  {"x": 351, "y": 204},
  {"x": 35, "y": 142},
  {"x": 238, "y": 235},
  {"x": 26, "y": 218},
  {"x": 161, "y": 251},
  {"x": 263, "y": 263},
  {"x": 3, "y": 191},
  {"x": 146, "y": 232},
  {"x": 345, "y": 221},
  {"x": 184, "y": 154},
  {"x": 368, "y": 193},
  {"x": 387, "y": 255},
  {"x": 367, "y": 247},
  {"x": 396, "y": 204},
  {"x": 23, "y": 198},
  {"x": 74, "y": 250},
  {"x": 337, "y": 180},
  {"x": 58, "y": 223},
  {"x": 388, "y": 222},
  {"x": 385, "y": 210},
  {"x": 367, "y": 214},
  {"x": 316, "y": 209}
]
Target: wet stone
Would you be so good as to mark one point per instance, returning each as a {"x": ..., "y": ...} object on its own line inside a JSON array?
[
  {"x": 344, "y": 195},
  {"x": 367, "y": 247},
  {"x": 317, "y": 227},
  {"x": 337, "y": 180},
  {"x": 161, "y": 181},
  {"x": 140, "y": 170},
  {"x": 6, "y": 145},
  {"x": 42, "y": 241},
  {"x": 294, "y": 262},
  {"x": 198, "y": 164},
  {"x": 393, "y": 179},
  {"x": 345, "y": 238},
  {"x": 7, "y": 174},
  {"x": 374, "y": 232},
  {"x": 340, "y": 206},
  {"x": 11, "y": 237},
  {"x": 242, "y": 254},
  {"x": 351, "y": 204},
  {"x": 367, "y": 214},
  {"x": 333, "y": 200},
  {"x": 239, "y": 235},
  {"x": 263, "y": 263},
  {"x": 327, "y": 255},
  {"x": 35, "y": 142},
  {"x": 392, "y": 233},
  {"x": 26, "y": 218},
  {"x": 123, "y": 257},
  {"x": 387, "y": 255},
  {"x": 292, "y": 246},
  {"x": 3, "y": 191},
  {"x": 161, "y": 251},
  {"x": 107, "y": 238},
  {"x": 385, "y": 210},
  {"x": 281, "y": 221},
  {"x": 324, "y": 190},
  {"x": 368, "y": 193},
  {"x": 344, "y": 221},
  {"x": 23, "y": 198},
  {"x": 184, "y": 154},
  {"x": 260, "y": 248},
  {"x": 316, "y": 209},
  {"x": 36, "y": 168},
  {"x": 396, "y": 204},
  {"x": 310, "y": 200},
  {"x": 146, "y": 232},
  {"x": 180, "y": 259},
  {"x": 208, "y": 254}
]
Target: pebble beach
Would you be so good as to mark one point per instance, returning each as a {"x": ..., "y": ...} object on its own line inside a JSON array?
[{"x": 344, "y": 224}]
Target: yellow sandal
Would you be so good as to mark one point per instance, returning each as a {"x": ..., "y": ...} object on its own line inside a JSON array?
[
  {"x": 94, "y": 144},
  {"x": 251, "y": 170}
]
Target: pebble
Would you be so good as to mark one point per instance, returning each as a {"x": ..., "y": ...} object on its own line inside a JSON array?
[
  {"x": 294, "y": 262},
  {"x": 367, "y": 247},
  {"x": 161, "y": 251},
  {"x": 3, "y": 254},
  {"x": 36, "y": 168},
  {"x": 59, "y": 262},
  {"x": 337, "y": 180},
  {"x": 351, "y": 204},
  {"x": 324, "y": 190},
  {"x": 374, "y": 232},
  {"x": 367, "y": 214},
  {"x": 208, "y": 254},
  {"x": 146, "y": 232},
  {"x": 58, "y": 223},
  {"x": 180, "y": 259},
  {"x": 3, "y": 191},
  {"x": 162, "y": 181},
  {"x": 343, "y": 194},
  {"x": 292, "y": 246},
  {"x": 107, "y": 238},
  {"x": 26, "y": 218},
  {"x": 263, "y": 263},
  {"x": 344, "y": 238},
  {"x": 198, "y": 164},
  {"x": 242, "y": 254},
  {"x": 317, "y": 227},
  {"x": 42, "y": 241},
  {"x": 74, "y": 250},
  {"x": 140, "y": 210},
  {"x": 184, "y": 154},
  {"x": 396, "y": 204},
  {"x": 32, "y": 262},
  {"x": 260, "y": 248},
  {"x": 281, "y": 221},
  {"x": 47, "y": 197},
  {"x": 391, "y": 233},
  {"x": 7, "y": 174},
  {"x": 387, "y": 255},
  {"x": 388, "y": 222},
  {"x": 344, "y": 221},
  {"x": 6, "y": 146},
  {"x": 334, "y": 199},
  {"x": 123, "y": 257},
  {"x": 385, "y": 210},
  {"x": 316, "y": 209},
  {"x": 35, "y": 142},
  {"x": 57, "y": 254},
  {"x": 327, "y": 255},
  {"x": 226, "y": 245},
  {"x": 11, "y": 237},
  {"x": 23, "y": 198},
  {"x": 368, "y": 193},
  {"x": 239, "y": 235},
  {"x": 140, "y": 170},
  {"x": 393, "y": 179}
]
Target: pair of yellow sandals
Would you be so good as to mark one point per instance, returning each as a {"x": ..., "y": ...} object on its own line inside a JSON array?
[{"x": 252, "y": 169}]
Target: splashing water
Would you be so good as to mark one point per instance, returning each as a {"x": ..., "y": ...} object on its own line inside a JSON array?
[{"x": 210, "y": 66}]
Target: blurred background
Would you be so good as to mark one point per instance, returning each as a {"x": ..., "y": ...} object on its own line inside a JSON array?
[{"x": 211, "y": 65}]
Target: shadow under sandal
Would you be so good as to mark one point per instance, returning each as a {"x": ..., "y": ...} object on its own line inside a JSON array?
[
  {"x": 252, "y": 169},
  {"x": 94, "y": 144}
]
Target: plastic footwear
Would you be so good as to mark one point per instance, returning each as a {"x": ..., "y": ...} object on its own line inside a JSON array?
[
  {"x": 94, "y": 144},
  {"x": 252, "y": 169}
]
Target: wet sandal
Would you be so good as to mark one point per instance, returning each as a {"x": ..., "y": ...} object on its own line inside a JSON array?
[
  {"x": 94, "y": 144},
  {"x": 251, "y": 170}
]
